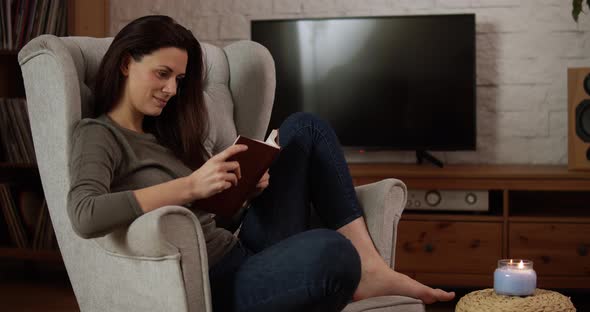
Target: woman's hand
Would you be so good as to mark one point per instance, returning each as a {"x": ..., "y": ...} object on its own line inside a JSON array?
[
  {"x": 217, "y": 174},
  {"x": 262, "y": 184}
]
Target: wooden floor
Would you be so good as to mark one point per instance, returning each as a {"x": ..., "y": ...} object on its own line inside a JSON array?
[
  {"x": 41, "y": 290},
  {"x": 30, "y": 288},
  {"x": 37, "y": 296},
  {"x": 58, "y": 296}
]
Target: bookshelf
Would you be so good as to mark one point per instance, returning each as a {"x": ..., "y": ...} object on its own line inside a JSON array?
[{"x": 19, "y": 175}]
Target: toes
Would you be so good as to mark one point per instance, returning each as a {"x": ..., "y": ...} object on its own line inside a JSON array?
[{"x": 443, "y": 295}]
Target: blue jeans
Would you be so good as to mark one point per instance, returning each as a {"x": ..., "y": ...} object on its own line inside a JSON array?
[{"x": 279, "y": 263}]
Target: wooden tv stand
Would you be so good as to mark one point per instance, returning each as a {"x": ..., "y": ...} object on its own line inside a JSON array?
[{"x": 541, "y": 213}]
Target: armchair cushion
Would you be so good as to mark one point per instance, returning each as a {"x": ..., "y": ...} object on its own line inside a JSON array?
[
  {"x": 386, "y": 304},
  {"x": 222, "y": 129}
]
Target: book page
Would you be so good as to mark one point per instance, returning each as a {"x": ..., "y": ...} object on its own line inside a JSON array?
[{"x": 272, "y": 138}]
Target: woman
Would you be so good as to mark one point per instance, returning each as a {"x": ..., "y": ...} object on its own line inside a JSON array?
[{"x": 145, "y": 151}]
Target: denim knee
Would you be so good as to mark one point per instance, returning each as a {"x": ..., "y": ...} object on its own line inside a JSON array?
[
  {"x": 338, "y": 259},
  {"x": 317, "y": 270},
  {"x": 306, "y": 119},
  {"x": 307, "y": 129}
]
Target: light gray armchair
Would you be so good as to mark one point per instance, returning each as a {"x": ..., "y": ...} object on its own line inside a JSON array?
[{"x": 159, "y": 262}]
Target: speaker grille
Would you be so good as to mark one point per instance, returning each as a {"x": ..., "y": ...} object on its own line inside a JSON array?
[
  {"x": 583, "y": 120},
  {"x": 587, "y": 84}
]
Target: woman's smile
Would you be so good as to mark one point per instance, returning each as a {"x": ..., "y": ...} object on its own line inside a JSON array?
[{"x": 161, "y": 102}]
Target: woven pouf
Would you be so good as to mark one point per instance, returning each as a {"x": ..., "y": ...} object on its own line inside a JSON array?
[{"x": 487, "y": 301}]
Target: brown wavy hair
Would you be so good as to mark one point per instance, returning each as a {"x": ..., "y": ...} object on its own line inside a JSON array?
[{"x": 182, "y": 125}]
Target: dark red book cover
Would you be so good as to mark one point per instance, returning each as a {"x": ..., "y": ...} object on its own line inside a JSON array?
[{"x": 253, "y": 164}]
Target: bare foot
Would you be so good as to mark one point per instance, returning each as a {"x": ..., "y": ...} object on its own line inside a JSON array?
[
  {"x": 377, "y": 278},
  {"x": 380, "y": 280},
  {"x": 434, "y": 295}
]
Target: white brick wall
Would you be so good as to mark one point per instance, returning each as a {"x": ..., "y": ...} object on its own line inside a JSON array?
[{"x": 524, "y": 48}]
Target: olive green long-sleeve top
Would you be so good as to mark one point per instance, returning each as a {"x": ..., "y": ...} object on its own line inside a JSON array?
[{"x": 107, "y": 163}]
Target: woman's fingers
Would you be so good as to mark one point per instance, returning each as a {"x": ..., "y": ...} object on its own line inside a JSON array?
[
  {"x": 230, "y": 151},
  {"x": 262, "y": 185},
  {"x": 224, "y": 185},
  {"x": 232, "y": 166},
  {"x": 239, "y": 171},
  {"x": 229, "y": 172},
  {"x": 231, "y": 178},
  {"x": 266, "y": 176}
]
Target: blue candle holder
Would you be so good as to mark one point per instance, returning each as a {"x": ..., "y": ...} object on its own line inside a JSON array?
[{"x": 515, "y": 277}]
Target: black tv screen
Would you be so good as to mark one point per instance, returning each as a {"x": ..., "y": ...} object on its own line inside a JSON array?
[{"x": 396, "y": 82}]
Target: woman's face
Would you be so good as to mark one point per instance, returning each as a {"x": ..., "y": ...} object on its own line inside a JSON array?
[{"x": 153, "y": 80}]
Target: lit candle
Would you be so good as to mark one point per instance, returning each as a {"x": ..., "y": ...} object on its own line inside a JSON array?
[{"x": 515, "y": 277}]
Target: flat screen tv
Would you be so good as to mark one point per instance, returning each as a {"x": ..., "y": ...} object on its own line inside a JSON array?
[{"x": 394, "y": 83}]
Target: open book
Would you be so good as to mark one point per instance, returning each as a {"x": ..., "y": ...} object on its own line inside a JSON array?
[{"x": 253, "y": 164}]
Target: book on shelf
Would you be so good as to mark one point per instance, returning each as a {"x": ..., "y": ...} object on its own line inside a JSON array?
[
  {"x": 29, "y": 203},
  {"x": 16, "y": 139},
  {"x": 23, "y": 20},
  {"x": 26, "y": 218},
  {"x": 13, "y": 220},
  {"x": 3, "y": 30},
  {"x": 6, "y": 24},
  {"x": 44, "y": 236},
  {"x": 254, "y": 162}
]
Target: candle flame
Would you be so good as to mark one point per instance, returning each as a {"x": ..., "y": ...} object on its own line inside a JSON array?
[{"x": 521, "y": 265}]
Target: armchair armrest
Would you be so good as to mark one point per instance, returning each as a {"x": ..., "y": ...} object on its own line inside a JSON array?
[
  {"x": 145, "y": 238},
  {"x": 383, "y": 203},
  {"x": 167, "y": 233}
]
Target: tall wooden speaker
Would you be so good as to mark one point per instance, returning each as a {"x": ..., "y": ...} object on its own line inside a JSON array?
[{"x": 578, "y": 81}]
